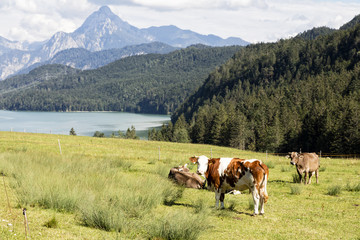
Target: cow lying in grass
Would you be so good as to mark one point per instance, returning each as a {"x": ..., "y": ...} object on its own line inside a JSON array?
[
  {"x": 182, "y": 176},
  {"x": 307, "y": 163},
  {"x": 224, "y": 174}
]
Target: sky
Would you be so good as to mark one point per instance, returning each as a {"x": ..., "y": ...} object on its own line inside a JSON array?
[{"x": 252, "y": 20}]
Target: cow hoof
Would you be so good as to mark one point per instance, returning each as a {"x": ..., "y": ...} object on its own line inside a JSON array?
[{"x": 254, "y": 214}]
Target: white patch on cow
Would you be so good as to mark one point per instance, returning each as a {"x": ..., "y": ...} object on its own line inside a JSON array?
[
  {"x": 252, "y": 160},
  {"x": 224, "y": 163}
]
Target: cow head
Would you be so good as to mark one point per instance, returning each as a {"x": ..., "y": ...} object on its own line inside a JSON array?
[
  {"x": 294, "y": 158},
  {"x": 202, "y": 162},
  {"x": 183, "y": 168}
]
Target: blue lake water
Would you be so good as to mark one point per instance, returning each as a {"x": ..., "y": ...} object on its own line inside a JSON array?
[{"x": 84, "y": 123}]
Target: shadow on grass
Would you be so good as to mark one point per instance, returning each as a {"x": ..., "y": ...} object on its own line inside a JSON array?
[
  {"x": 224, "y": 210},
  {"x": 279, "y": 181}
]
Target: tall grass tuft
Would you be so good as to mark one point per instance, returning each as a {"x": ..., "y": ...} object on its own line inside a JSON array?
[
  {"x": 129, "y": 197},
  {"x": 296, "y": 178},
  {"x": 285, "y": 169},
  {"x": 52, "y": 223},
  {"x": 103, "y": 193},
  {"x": 103, "y": 215},
  {"x": 270, "y": 164},
  {"x": 251, "y": 203},
  {"x": 171, "y": 194},
  {"x": 177, "y": 225},
  {"x": 200, "y": 206},
  {"x": 352, "y": 188},
  {"x": 295, "y": 190},
  {"x": 334, "y": 190},
  {"x": 232, "y": 205}
]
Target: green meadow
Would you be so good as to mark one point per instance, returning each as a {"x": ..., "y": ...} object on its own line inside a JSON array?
[{"x": 105, "y": 188}]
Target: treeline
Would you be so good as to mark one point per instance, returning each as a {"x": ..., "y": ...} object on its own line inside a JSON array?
[
  {"x": 153, "y": 83},
  {"x": 281, "y": 97}
]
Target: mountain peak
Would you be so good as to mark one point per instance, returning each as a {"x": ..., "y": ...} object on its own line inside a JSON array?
[{"x": 106, "y": 10}]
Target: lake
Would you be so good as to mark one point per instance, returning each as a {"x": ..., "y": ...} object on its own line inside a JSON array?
[{"x": 84, "y": 123}]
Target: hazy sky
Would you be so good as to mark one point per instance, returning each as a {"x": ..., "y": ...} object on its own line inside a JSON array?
[{"x": 251, "y": 20}]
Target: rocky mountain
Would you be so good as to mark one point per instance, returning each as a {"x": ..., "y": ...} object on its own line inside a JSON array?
[{"x": 102, "y": 30}]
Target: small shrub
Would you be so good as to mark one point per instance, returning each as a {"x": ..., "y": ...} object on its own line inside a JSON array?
[
  {"x": 52, "y": 223},
  {"x": 334, "y": 190},
  {"x": 295, "y": 190},
  {"x": 99, "y": 134},
  {"x": 296, "y": 178}
]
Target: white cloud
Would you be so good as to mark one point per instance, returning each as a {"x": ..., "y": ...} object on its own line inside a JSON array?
[
  {"x": 252, "y": 20},
  {"x": 166, "y": 5}
]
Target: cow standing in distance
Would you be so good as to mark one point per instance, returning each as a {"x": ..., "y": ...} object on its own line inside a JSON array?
[
  {"x": 224, "y": 174},
  {"x": 307, "y": 163},
  {"x": 182, "y": 176}
]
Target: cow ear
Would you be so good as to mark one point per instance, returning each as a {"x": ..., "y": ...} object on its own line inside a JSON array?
[{"x": 193, "y": 159}]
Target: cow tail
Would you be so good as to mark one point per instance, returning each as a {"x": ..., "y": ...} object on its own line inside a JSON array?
[{"x": 264, "y": 184}]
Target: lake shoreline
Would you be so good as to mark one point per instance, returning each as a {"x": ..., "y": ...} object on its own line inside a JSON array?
[{"x": 84, "y": 123}]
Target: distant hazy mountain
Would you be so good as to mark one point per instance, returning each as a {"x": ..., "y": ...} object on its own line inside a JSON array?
[
  {"x": 81, "y": 58},
  {"x": 102, "y": 30},
  {"x": 175, "y": 36}
]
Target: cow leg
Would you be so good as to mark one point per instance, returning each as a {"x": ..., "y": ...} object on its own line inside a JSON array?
[
  {"x": 300, "y": 174},
  {"x": 317, "y": 175},
  {"x": 305, "y": 176},
  {"x": 262, "y": 201},
  {"x": 256, "y": 198},
  {"x": 310, "y": 175},
  {"x": 263, "y": 198},
  {"x": 222, "y": 197},
  {"x": 217, "y": 198}
]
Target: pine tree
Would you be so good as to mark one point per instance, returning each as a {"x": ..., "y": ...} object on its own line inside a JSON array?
[
  {"x": 72, "y": 132},
  {"x": 131, "y": 133}
]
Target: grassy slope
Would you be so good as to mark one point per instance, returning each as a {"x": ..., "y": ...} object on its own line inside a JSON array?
[{"x": 310, "y": 215}]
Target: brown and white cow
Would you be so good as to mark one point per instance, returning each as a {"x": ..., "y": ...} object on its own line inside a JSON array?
[
  {"x": 182, "y": 176},
  {"x": 224, "y": 174},
  {"x": 307, "y": 163}
]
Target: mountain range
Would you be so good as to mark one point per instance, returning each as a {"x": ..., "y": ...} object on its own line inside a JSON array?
[
  {"x": 151, "y": 83},
  {"x": 102, "y": 30}
]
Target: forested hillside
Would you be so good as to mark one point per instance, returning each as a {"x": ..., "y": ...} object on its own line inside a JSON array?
[
  {"x": 34, "y": 77},
  {"x": 152, "y": 83},
  {"x": 283, "y": 96}
]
